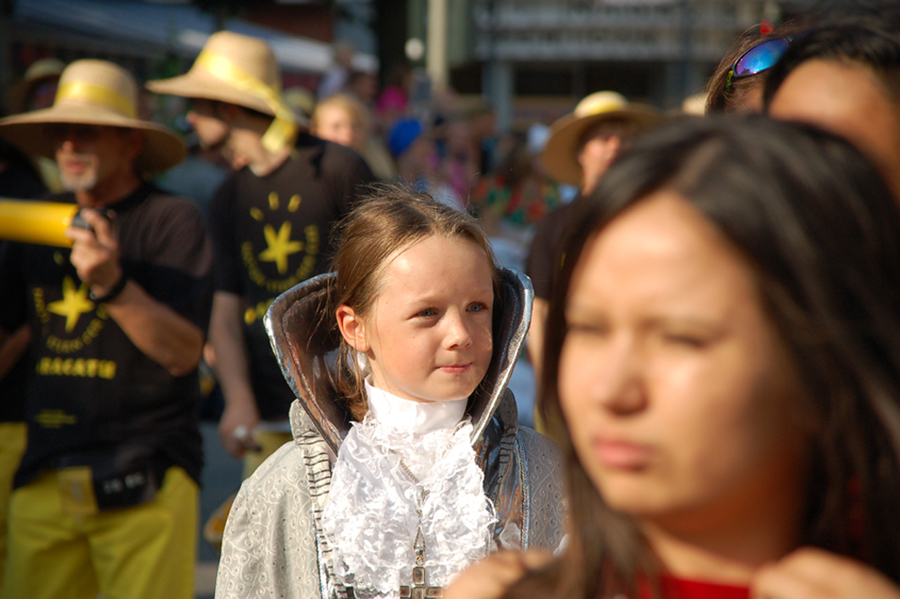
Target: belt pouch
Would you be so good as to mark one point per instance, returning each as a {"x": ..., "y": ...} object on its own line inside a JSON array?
[{"x": 121, "y": 477}]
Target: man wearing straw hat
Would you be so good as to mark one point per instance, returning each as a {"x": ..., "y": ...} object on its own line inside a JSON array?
[
  {"x": 271, "y": 224},
  {"x": 106, "y": 496},
  {"x": 37, "y": 90},
  {"x": 580, "y": 148}
]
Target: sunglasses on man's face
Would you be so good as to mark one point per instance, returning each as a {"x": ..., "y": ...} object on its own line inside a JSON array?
[
  {"x": 60, "y": 132},
  {"x": 757, "y": 59}
]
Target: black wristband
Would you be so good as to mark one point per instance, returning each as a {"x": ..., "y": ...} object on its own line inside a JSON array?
[{"x": 112, "y": 293}]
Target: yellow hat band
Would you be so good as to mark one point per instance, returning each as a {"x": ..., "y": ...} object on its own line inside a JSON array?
[
  {"x": 96, "y": 94},
  {"x": 600, "y": 108},
  {"x": 283, "y": 131}
]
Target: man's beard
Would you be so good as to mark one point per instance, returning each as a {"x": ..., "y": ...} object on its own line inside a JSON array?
[{"x": 79, "y": 182}]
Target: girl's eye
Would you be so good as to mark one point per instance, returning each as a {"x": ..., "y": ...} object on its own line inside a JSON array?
[
  {"x": 427, "y": 312},
  {"x": 478, "y": 307},
  {"x": 686, "y": 341},
  {"x": 584, "y": 328}
]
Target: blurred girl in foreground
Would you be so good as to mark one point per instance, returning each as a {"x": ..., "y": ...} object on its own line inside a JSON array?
[{"x": 723, "y": 356}]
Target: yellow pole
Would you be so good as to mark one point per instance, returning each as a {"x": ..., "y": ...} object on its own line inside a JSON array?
[{"x": 44, "y": 223}]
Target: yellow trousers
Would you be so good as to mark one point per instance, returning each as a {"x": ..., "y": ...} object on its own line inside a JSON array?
[
  {"x": 13, "y": 437},
  {"x": 268, "y": 442},
  {"x": 143, "y": 552}
]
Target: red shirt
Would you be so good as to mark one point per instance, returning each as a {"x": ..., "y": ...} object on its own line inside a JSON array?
[{"x": 678, "y": 588}]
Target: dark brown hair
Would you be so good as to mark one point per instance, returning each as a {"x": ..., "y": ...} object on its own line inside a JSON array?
[
  {"x": 390, "y": 219},
  {"x": 855, "y": 42},
  {"x": 820, "y": 229}
]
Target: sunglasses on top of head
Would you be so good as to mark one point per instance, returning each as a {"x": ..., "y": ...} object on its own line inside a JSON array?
[{"x": 757, "y": 59}]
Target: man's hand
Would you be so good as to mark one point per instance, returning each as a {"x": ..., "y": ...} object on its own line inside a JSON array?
[
  {"x": 816, "y": 574},
  {"x": 95, "y": 255},
  {"x": 157, "y": 330},
  {"x": 237, "y": 425},
  {"x": 233, "y": 371}
]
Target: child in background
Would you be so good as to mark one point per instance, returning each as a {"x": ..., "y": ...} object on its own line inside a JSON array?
[
  {"x": 408, "y": 463},
  {"x": 343, "y": 119}
]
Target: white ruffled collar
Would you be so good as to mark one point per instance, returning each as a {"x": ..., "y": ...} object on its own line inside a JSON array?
[
  {"x": 412, "y": 416},
  {"x": 374, "y": 504}
]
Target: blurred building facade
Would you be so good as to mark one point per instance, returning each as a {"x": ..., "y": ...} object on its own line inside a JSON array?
[
  {"x": 532, "y": 60},
  {"x": 529, "y": 54},
  {"x": 160, "y": 38}
]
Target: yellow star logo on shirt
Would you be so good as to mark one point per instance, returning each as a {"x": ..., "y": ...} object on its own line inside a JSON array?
[
  {"x": 73, "y": 304},
  {"x": 280, "y": 246}
]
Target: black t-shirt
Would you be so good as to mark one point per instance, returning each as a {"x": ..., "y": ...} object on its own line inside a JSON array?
[
  {"x": 273, "y": 232},
  {"x": 14, "y": 385},
  {"x": 544, "y": 260},
  {"x": 18, "y": 179},
  {"x": 91, "y": 388}
]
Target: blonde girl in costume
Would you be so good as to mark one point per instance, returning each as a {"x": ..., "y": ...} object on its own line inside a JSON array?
[{"x": 408, "y": 463}]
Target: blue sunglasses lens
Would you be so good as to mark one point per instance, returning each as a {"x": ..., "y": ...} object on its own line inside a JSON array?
[{"x": 761, "y": 57}]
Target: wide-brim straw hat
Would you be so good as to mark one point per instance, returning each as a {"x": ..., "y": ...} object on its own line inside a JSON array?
[
  {"x": 560, "y": 155},
  {"x": 43, "y": 69},
  {"x": 225, "y": 71},
  {"x": 95, "y": 92}
]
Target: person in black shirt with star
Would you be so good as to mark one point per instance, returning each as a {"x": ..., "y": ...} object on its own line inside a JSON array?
[
  {"x": 271, "y": 223},
  {"x": 106, "y": 496}
]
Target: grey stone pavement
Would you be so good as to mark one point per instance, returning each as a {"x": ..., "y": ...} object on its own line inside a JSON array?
[{"x": 221, "y": 476}]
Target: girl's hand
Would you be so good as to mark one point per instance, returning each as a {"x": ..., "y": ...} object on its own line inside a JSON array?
[
  {"x": 490, "y": 578},
  {"x": 816, "y": 574}
]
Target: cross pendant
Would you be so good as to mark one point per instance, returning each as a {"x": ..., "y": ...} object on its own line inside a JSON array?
[{"x": 418, "y": 590}]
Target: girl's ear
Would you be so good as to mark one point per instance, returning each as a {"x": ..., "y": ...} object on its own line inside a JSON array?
[{"x": 352, "y": 328}]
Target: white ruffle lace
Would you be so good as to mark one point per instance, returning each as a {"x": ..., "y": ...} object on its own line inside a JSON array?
[{"x": 371, "y": 518}]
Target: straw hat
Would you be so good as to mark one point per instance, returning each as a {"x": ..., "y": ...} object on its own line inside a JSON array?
[
  {"x": 95, "y": 92},
  {"x": 224, "y": 70},
  {"x": 560, "y": 155},
  {"x": 41, "y": 70}
]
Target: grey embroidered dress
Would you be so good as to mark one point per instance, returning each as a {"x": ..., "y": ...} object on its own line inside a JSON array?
[{"x": 275, "y": 545}]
